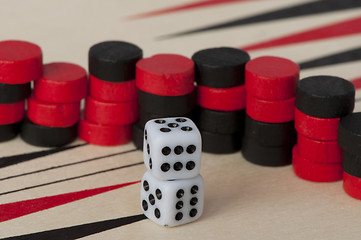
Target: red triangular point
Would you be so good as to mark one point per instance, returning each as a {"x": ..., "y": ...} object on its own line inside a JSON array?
[
  {"x": 13, "y": 210},
  {"x": 184, "y": 7},
  {"x": 344, "y": 28},
  {"x": 357, "y": 83}
]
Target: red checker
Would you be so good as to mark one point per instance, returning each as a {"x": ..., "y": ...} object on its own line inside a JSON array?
[
  {"x": 105, "y": 135},
  {"x": 270, "y": 111},
  {"x": 53, "y": 114},
  {"x": 352, "y": 185},
  {"x": 61, "y": 83},
  {"x": 316, "y": 128},
  {"x": 165, "y": 74},
  {"x": 222, "y": 99},
  {"x": 111, "y": 113},
  {"x": 112, "y": 91},
  {"x": 319, "y": 151},
  {"x": 20, "y": 62},
  {"x": 315, "y": 171},
  {"x": 12, "y": 112},
  {"x": 272, "y": 78}
]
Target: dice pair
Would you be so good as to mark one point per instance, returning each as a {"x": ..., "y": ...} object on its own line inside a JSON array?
[{"x": 172, "y": 191}]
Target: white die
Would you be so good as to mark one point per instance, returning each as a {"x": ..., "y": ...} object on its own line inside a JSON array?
[
  {"x": 172, "y": 203},
  {"x": 172, "y": 148}
]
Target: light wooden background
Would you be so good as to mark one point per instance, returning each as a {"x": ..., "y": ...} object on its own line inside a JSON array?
[{"x": 243, "y": 201}]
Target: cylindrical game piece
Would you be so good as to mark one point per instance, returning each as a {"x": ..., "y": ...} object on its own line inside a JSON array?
[
  {"x": 318, "y": 150},
  {"x": 114, "y": 61},
  {"x": 220, "y": 67},
  {"x": 138, "y": 135},
  {"x": 9, "y": 131},
  {"x": 316, "y": 128},
  {"x": 111, "y": 113},
  {"x": 61, "y": 83},
  {"x": 12, "y": 112},
  {"x": 222, "y": 99},
  {"x": 270, "y": 134},
  {"x": 112, "y": 91},
  {"x": 272, "y": 156},
  {"x": 11, "y": 93},
  {"x": 220, "y": 121},
  {"x": 43, "y": 136},
  {"x": 167, "y": 105},
  {"x": 106, "y": 135},
  {"x": 20, "y": 62},
  {"x": 166, "y": 75},
  {"x": 315, "y": 171},
  {"x": 53, "y": 114},
  {"x": 272, "y": 78},
  {"x": 221, "y": 143},
  {"x": 352, "y": 185},
  {"x": 349, "y": 133},
  {"x": 325, "y": 96},
  {"x": 270, "y": 111}
]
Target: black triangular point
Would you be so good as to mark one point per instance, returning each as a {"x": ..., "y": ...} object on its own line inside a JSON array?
[
  {"x": 79, "y": 231},
  {"x": 19, "y": 158},
  {"x": 311, "y": 8},
  {"x": 337, "y": 58}
]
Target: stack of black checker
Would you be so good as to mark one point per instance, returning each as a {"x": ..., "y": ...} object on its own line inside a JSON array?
[
  {"x": 220, "y": 77},
  {"x": 165, "y": 85}
]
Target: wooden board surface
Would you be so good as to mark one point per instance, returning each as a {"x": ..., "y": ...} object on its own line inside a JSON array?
[{"x": 46, "y": 194}]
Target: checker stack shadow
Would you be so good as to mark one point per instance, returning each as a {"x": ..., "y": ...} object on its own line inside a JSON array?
[{"x": 111, "y": 107}]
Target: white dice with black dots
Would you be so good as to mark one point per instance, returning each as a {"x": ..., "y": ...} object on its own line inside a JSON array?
[
  {"x": 172, "y": 203},
  {"x": 172, "y": 148}
]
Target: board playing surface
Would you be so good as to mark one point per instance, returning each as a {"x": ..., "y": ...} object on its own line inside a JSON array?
[{"x": 92, "y": 192}]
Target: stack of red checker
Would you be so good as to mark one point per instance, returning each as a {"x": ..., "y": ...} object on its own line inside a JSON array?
[
  {"x": 20, "y": 63},
  {"x": 270, "y": 86},
  {"x": 112, "y": 105},
  {"x": 320, "y": 102},
  {"x": 54, "y": 108}
]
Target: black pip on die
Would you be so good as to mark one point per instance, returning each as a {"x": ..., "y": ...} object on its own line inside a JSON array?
[{"x": 172, "y": 191}]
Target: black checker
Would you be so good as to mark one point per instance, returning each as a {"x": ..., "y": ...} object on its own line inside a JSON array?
[
  {"x": 11, "y": 93},
  {"x": 351, "y": 164},
  {"x": 222, "y": 67},
  {"x": 349, "y": 133},
  {"x": 221, "y": 143},
  {"x": 114, "y": 61},
  {"x": 253, "y": 152},
  {"x": 9, "y": 131},
  {"x": 224, "y": 122},
  {"x": 138, "y": 135},
  {"x": 166, "y": 105},
  {"x": 43, "y": 136},
  {"x": 325, "y": 96},
  {"x": 270, "y": 134}
]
